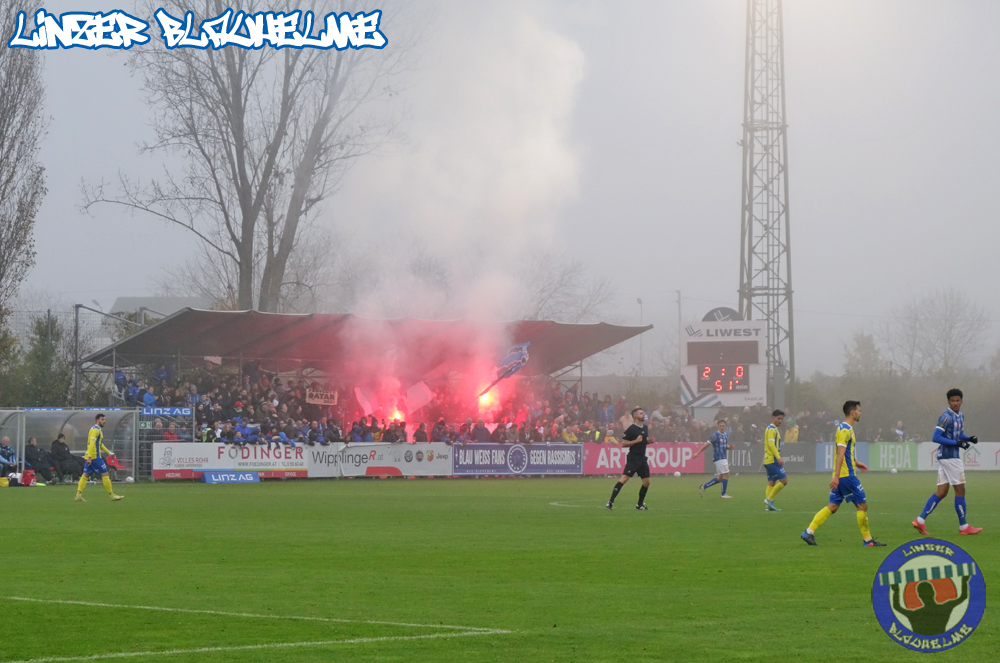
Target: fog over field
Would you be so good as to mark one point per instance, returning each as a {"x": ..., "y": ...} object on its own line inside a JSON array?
[{"x": 603, "y": 133}]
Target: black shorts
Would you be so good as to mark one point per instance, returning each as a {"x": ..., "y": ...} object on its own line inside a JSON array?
[{"x": 638, "y": 466}]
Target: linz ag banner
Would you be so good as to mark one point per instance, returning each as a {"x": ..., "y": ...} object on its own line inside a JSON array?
[
  {"x": 663, "y": 458},
  {"x": 190, "y": 460},
  {"x": 499, "y": 459}
]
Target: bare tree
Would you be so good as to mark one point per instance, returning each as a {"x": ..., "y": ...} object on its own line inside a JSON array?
[
  {"x": 22, "y": 178},
  {"x": 862, "y": 357},
  {"x": 266, "y": 136},
  {"x": 556, "y": 288},
  {"x": 935, "y": 334}
]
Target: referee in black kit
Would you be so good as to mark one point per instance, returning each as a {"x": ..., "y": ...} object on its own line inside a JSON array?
[{"x": 635, "y": 439}]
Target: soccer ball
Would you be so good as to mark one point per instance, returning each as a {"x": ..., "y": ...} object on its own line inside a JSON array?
[
  {"x": 129, "y": 480},
  {"x": 677, "y": 474},
  {"x": 893, "y": 470}
]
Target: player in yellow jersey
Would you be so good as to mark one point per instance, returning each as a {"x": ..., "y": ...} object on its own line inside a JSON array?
[
  {"x": 94, "y": 461},
  {"x": 845, "y": 484},
  {"x": 776, "y": 477}
]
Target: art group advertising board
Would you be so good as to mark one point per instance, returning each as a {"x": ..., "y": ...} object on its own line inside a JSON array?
[
  {"x": 505, "y": 459},
  {"x": 982, "y": 456},
  {"x": 663, "y": 458},
  {"x": 189, "y": 460},
  {"x": 377, "y": 459}
]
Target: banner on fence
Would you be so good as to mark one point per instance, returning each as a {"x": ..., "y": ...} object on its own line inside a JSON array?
[
  {"x": 498, "y": 459},
  {"x": 343, "y": 460},
  {"x": 230, "y": 477},
  {"x": 663, "y": 457},
  {"x": 167, "y": 411},
  {"x": 189, "y": 460},
  {"x": 799, "y": 457},
  {"x": 982, "y": 456},
  {"x": 885, "y": 456},
  {"x": 826, "y": 455},
  {"x": 317, "y": 397}
]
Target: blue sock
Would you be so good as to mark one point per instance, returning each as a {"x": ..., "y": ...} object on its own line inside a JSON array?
[
  {"x": 725, "y": 484},
  {"x": 929, "y": 507},
  {"x": 710, "y": 483},
  {"x": 960, "y": 509}
]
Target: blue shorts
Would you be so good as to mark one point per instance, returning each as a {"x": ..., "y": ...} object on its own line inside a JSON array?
[
  {"x": 775, "y": 472},
  {"x": 95, "y": 466},
  {"x": 849, "y": 489}
]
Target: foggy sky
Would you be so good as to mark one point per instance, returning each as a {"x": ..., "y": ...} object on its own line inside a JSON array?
[{"x": 609, "y": 130}]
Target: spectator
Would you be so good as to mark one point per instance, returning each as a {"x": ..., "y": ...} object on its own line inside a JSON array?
[
  {"x": 121, "y": 382},
  {"x": 170, "y": 435},
  {"x": 160, "y": 374},
  {"x": 480, "y": 433},
  {"x": 149, "y": 398},
  {"x": 64, "y": 460},
  {"x": 39, "y": 459},
  {"x": 606, "y": 412},
  {"x": 900, "y": 432},
  {"x": 792, "y": 432},
  {"x": 421, "y": 433},
  {"x": 8, "y": 457},
  {"x": 568, "y": 435},
  {"x": 497, "y": 436}
]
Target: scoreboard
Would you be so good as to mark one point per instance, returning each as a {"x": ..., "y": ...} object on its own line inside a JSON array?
[{"x": 724, "y": 363}]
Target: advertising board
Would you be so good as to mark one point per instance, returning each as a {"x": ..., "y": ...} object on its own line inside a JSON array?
[
  {"x": 189, "y": 460},
  {"x": 499, "y": 459},
  {"x": 663, "y": 458},
  {"x": 353, "y": 460},
  {"x": 899, "y": 456},
  {"x": 982, "y": 456},
  {"x": 826, "y": 455}
]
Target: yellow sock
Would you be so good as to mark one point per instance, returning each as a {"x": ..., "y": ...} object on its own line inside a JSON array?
[
  {"x": 107, "y": 485},
  {"x": 777, "y": 489},
  {"x": 767, "y": 492},
  {"x": 83, "y": 483},
  {"x": 820, "y": 518},
  {"x": 863, "y": 525}
]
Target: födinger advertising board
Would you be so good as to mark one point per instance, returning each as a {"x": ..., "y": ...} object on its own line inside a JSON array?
[
  {"x": 352, "y": 460},
  {"x": 189, "y": 460},
  {"x": 663, "y": 458},
  {"x": 499, "y": 459}
]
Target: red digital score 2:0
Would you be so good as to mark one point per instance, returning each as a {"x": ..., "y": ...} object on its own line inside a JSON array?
[{"x": 723, "y": 378}]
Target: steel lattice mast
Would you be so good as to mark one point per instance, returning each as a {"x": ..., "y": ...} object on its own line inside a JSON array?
[{"x": 765, "y": 255}]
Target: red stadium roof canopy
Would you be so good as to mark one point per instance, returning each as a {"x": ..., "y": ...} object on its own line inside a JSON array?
[{"x": 347, "y": 344}]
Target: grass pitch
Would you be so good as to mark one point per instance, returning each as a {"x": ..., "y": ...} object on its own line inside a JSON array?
[{"x": 465, "y": 570}]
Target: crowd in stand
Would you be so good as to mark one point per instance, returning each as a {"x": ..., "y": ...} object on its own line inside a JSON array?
[{"x": 258, "y": 407}]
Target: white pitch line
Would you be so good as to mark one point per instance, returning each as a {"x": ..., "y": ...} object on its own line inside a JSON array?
[
  {"x": 222, "y": 613},
  {"x": 275, "y": 645}
]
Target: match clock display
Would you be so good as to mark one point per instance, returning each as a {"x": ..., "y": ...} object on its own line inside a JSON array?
[{"x": 724, "y": 378}]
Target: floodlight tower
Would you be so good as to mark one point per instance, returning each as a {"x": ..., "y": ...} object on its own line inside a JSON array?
[{"x": 765, "y": 250}]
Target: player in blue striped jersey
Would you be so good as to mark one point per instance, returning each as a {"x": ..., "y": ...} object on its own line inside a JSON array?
[
  {"x": 719, "y": 441},
  {"x": 952, "y": 439}
]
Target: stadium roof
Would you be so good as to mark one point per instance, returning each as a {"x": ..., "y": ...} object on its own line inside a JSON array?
[
  {"x": 343, "y": 343},
  {"x": 158, "y": 305}
]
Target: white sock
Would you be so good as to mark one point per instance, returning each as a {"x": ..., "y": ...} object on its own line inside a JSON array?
[
  {"x": 963, "y": 527},
  {"x": 920, "y": 520},
  {"x": 810, "y": 530}
]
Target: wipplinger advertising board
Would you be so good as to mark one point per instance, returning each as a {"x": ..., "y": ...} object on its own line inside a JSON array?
[{"x": 377, "y": 459}]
